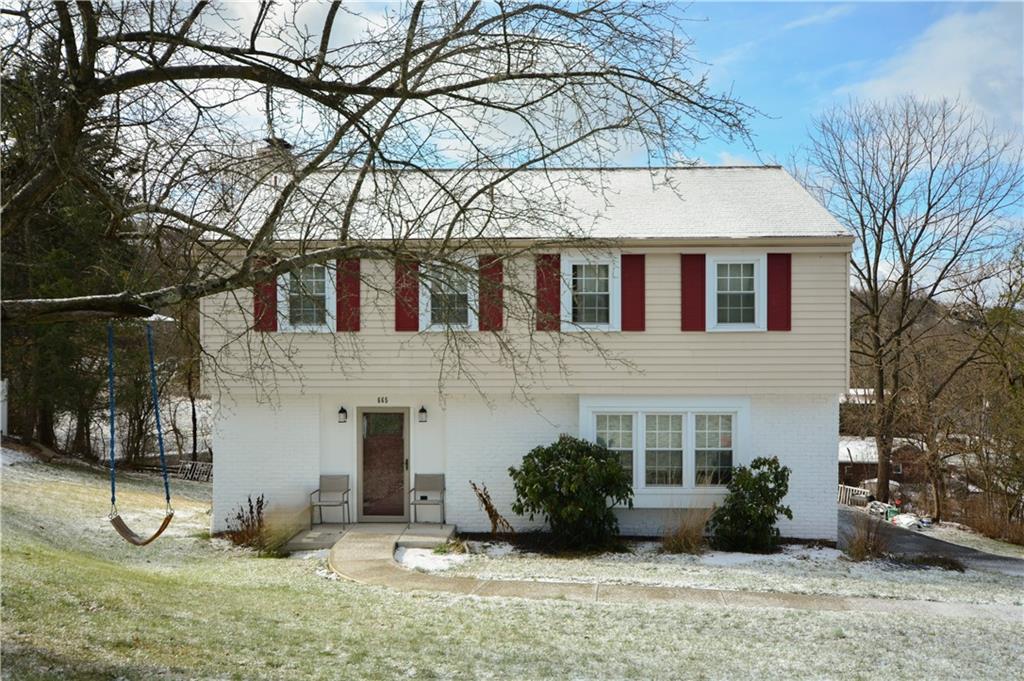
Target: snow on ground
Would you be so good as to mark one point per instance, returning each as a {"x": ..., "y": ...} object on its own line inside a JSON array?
[
  {"x": 955, "y": 533},
  {"x": 427, "y": 560},
  {"x": 796, "y": 569},
  {"x": 10, "y": 457},
  {"x": 127, "y": 612}
]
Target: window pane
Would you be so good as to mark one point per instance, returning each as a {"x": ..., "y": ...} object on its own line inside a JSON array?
[
  {"x": 591, "y": 299},
  {"x": 713, "y": 453},
  {"x": 307, "y": 296},
  {"x": 735, "y": 293},
  {"x": 449, "y": 296},
  {"x": 663, "y": 457},
  {"x": 615, "y": 431}
]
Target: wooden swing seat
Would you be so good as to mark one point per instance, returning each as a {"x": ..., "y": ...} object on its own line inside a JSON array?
[{"x": 129, "y": 536}]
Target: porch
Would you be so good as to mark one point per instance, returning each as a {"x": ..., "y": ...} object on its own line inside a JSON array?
[{"x": 411, "y": 535}]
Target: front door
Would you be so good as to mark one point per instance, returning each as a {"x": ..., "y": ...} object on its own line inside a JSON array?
[{"x": 384, "y": 465}]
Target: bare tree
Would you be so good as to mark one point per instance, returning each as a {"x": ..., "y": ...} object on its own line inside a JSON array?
[
  {"x": 357, "y": 115},
  {"x": 933, "y": 194}
]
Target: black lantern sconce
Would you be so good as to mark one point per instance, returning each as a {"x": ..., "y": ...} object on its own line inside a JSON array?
[
  {"x": 342, "y": 415},
  {"x": 422, "y": 414}
]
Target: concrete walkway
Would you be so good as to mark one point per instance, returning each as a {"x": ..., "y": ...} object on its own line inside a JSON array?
[{"x": 366, "y": 555}]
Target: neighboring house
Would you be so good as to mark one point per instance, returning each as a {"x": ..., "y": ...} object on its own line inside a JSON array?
[
  {"x": 858, "y": 461},
  {"x": 727, "y": 299}
]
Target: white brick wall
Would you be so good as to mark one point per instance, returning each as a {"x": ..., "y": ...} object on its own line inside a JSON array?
[
  {"x": 280, "y": 451},
  {"x": 803, "y": 431},
  {"x": 266, "y": 449},
  {"x": 483, "y": 441}
]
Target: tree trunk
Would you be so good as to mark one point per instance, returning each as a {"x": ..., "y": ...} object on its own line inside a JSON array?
[
  {"x": 195, "y": 419},
  {"x": 938, "y": 492},
  {"x": 82, "y": 443},
  {"x": 44, "y": 425},
  {"x": 883, "y": 433}
]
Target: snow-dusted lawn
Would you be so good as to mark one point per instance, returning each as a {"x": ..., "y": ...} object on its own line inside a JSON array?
[
  {"x": 79, "y": 603},
  {"x": 961, "y": 534},
  {"x": 798, "y": 569}
]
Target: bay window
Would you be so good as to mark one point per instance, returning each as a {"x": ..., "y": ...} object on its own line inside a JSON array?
[
  {"x": 713, "y": 449},
  {"x": 615, "y": 432}
]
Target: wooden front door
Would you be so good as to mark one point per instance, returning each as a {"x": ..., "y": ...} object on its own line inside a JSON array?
[{"x": 384, "y": 465}]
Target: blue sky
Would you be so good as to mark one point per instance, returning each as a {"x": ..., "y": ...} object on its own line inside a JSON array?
[{"x": 792, "y": 60}]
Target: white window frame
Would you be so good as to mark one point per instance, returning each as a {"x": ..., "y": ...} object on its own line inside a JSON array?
[
  {"x": 330, "y": 303},
  {"x": 614, "y": 262},
  {"x": 760, "y": 262},
  {"x": 693, "y": 420},
  {"x": 632, "y": 416},
  {"x": 473, "y": 321},
  {"x": 689, "y": 493}
]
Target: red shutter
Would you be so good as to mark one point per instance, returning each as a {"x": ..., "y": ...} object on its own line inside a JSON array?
[
  {"x": 491, "y": 293},
  {"x": 264, "y": 302},
  {"x": 407, "y": 296},
  {"x": 347, "y": 302},
  {"x": 549, "y": 292},
  {"x": 633, "y": 292},
  {"x": 693, "y": 298},
  {"x": 780, "y": 288}
]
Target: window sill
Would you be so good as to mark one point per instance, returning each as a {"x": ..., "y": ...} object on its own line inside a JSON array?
[
  {"x": 571, "y": 327},
  {"x": 441, "y": 328},
  {"x": 736, "y": 328},
  {"x": 304, "y": 329}
]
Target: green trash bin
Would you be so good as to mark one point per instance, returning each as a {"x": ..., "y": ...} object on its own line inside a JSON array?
[{"x": 891, "y": 513}]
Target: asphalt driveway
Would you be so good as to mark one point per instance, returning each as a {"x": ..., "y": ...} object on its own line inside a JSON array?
[{"x": 911, "y": 543}]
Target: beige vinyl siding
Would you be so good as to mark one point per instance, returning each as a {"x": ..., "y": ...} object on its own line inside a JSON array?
[{"x": 812, "y": 358}]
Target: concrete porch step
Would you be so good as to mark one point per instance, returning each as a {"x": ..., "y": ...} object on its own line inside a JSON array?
[{"x": 413, "y": 536}]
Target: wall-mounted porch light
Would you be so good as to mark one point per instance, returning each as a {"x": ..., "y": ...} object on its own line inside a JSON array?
[
  {"x": 342, "y": 415},
  {"x": 422, "y": 413}
]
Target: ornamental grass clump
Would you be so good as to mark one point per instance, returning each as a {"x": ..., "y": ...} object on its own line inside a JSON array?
[
  {"x": 574, "y": 485},
  {"x": 746, "y": 519}
]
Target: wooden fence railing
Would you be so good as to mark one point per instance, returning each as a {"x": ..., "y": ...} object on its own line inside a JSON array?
[
  {"x": 201, "y": 471},
  {"x": 846, "y": 494}
]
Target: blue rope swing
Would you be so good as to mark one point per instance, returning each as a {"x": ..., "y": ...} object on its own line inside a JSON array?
[{"x": 115, "y": 518}]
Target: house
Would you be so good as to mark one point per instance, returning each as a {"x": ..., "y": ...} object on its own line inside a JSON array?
[
  {"x": 858, "y": 461},
  {"x": 705, "y": 325}
]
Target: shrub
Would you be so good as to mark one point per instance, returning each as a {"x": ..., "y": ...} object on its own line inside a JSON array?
[
  {"x": 746, "y": 520},
  {"x": 866, "y": 540},
  {"x": 573, "y": 484},
  {"x": 688, "y": 535},
  {"x": 250, "y": 528}
]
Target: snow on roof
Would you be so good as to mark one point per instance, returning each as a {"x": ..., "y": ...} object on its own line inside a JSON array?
[
  {"x": 864, "y": 449},
  {"x": 735, "y": 202},
  {"x": 711, "y": 202}
]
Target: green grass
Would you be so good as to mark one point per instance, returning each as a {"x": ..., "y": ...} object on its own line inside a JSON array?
[{"x": 79, "y": 603}]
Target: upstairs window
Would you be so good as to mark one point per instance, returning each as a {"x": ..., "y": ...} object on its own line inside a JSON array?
[
  {"x": 591, "y": 294},
  {"x": 447, "y": 298},
  {"x": 307, "y": 296},
  {"x": 615, "y": 431},
  {"x": 736, "y": 292},
  {"x": 306, "y": 299}
]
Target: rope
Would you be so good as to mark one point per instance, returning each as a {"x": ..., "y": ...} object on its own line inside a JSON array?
[
  {"x": 110, "y": 387},
  {"x": 156, "y": 411}
]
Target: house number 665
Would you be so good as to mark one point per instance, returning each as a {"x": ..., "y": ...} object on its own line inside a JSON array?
[{"x": 382, "y": 400}]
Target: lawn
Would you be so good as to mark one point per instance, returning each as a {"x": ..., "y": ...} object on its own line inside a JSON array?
[
  {"x": 78, "y": 603},
  {"x": 797, "y": 569}
]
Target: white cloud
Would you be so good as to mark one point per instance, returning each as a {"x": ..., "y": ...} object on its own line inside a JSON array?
[
  {"x": 825, "y": 17},
  {"x": 727, "y": 158},
  {"x": 976, "y": 56}
]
